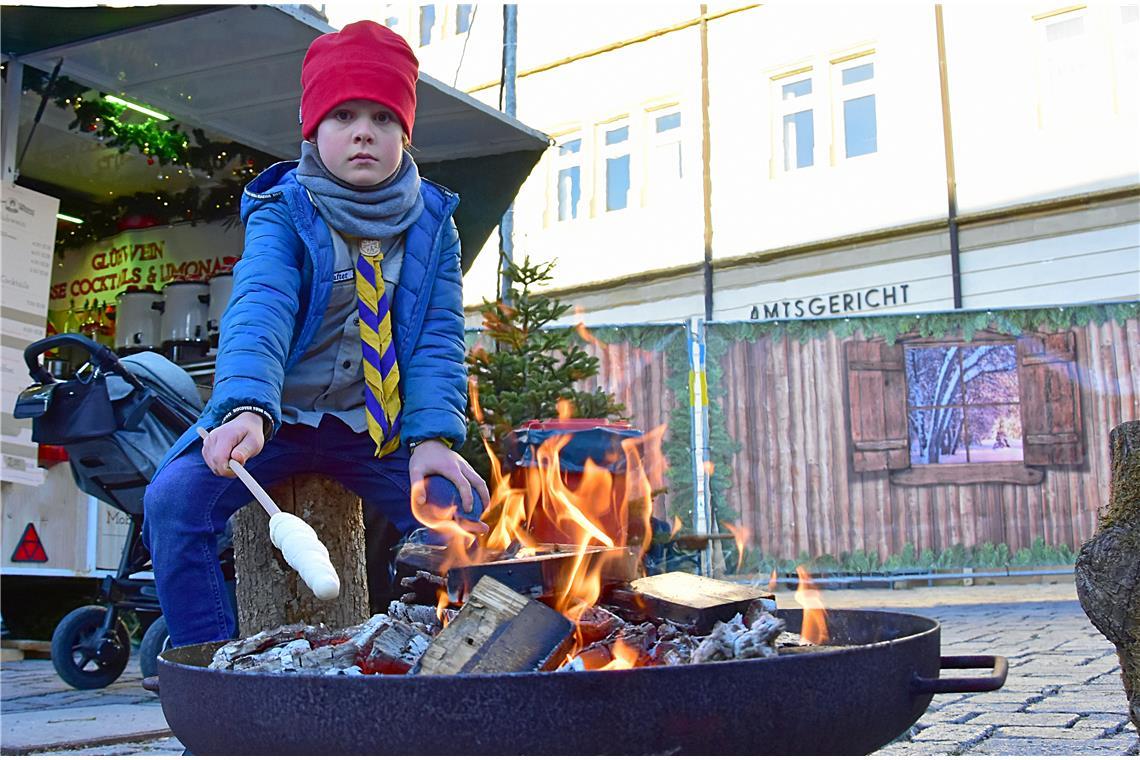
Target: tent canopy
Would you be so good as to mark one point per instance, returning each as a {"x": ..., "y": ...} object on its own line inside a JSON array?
[{"x": 234, "y": 71}]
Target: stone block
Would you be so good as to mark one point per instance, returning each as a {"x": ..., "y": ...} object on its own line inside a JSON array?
[
  {"x": 1054, "y": 720},
  {"x": 1111, "y": 746},
  {"x": 953, "y": 732},
  {"x": 1040, "y": 732}
]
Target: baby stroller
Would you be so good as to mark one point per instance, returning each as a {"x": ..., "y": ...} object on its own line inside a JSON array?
[{"x": 116, "y": 419}]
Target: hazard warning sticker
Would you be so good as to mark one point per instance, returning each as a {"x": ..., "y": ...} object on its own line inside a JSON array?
[{"x": 30, "y": 548}]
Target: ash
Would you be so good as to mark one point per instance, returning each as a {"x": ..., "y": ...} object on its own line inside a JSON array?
[{"x": 393, "y": 643}]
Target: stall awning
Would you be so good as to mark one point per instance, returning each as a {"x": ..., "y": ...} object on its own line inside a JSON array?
[{"x": 235, "y": 72}]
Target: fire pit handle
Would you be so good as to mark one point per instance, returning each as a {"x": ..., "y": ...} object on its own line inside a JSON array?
[{"x": 999, "y": 666}]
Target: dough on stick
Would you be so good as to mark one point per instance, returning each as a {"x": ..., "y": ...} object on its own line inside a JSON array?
[{"x": 305, "y": 553}]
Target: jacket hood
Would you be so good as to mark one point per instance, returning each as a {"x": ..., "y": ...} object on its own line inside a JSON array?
[{"x": 267, "y": 186}]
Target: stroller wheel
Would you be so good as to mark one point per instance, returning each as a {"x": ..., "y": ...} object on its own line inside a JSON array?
[
  {"x": 155, "y": 641},
  {"x": 83, "y": 655}
]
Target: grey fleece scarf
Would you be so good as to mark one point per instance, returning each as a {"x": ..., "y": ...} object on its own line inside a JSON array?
[{"x": 378, "y": 211}]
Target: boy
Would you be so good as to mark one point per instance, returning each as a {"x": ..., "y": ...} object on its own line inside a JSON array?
[{"x": 342, "y": 346}]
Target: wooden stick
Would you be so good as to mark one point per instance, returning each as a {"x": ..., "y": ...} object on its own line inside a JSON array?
[{"x": 264, "y": 499}]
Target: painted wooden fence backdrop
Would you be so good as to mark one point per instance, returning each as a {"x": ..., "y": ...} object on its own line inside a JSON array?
[{"x": 794, "y": 485}]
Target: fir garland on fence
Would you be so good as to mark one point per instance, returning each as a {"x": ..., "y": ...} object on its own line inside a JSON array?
[
  {"x": 166, "y": 145},
  {"x": 963, "y": 324}
]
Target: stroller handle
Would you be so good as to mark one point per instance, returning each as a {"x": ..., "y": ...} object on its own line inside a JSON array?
[{"x": 103, "y": 357}]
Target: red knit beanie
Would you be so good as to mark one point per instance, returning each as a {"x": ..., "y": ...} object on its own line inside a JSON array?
[{"x": 362, "y": 60}]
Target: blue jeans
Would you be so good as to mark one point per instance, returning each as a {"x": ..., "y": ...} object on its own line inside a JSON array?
[{"x": 187, "y": 506}]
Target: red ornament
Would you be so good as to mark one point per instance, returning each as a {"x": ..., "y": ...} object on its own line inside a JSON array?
[
  {"x": 136, "y": 222},
  {"x": 149, "y": 161}
]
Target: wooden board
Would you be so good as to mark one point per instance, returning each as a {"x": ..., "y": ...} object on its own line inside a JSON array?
[
  {"x": 538, "y": 575},
  {"x": 694, "y": 599}
]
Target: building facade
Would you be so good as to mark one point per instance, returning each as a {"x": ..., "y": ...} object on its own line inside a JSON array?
[{"x": 806, "y": 160}]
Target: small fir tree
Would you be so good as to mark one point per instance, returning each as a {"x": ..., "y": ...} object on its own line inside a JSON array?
[{"x": 532, "y": 370}]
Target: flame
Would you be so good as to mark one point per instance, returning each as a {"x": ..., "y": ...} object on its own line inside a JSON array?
[
  {"x": 585, "y": 334},
  {"x": 579, "y": 513},
  {"x": 772, "y": 581},
  {"x": 677, "y": 525},
  {"x": 441, "y": 606},
  {"x": 565, "y": 409},
  {"x": 743, "y": 537},
  {"x": 814, "y": 627},
  {"x": 625, "y": 657},
  {"x": 710, "y": 468},
  {"x": 473, "y": 393}
]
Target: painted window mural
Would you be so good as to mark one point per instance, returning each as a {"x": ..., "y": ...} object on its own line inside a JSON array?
[{"x": 963, "y": 403}]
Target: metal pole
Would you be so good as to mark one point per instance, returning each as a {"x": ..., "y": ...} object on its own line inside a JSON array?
[
  {"x": 951, "y": 178},
  {"x": 507, "y": 98},
  {"x": 706, "y": 168},
  {"x": 13, "y": 90}
]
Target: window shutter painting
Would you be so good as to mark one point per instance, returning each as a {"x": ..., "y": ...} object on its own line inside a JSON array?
[
  {"x": 1050, "y": 399},
  {"x": 876, "y": 392}
]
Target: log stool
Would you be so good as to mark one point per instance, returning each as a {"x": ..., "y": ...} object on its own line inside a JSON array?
[
  {"x": 269, "y": 592},
  {"x": 1108, "y": 567}
]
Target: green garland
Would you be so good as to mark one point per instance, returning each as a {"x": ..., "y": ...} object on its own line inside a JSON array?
[
  {"x": 166, "y": 145},
  {"x": 935, "y": 325}
]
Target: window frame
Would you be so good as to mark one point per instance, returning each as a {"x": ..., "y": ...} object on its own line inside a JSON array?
[
  {"x": 845, "y": 92},
  {"x": 658, "y": 140},
  {"x": 782, "y": 108},
  {"x": 432, "y": 36},
  {"x": 1047, "y": 105},
  {"x": 606, "y": 152},
  {"x": 564, "y": 161},
  {"x": 470, "y": 13}
]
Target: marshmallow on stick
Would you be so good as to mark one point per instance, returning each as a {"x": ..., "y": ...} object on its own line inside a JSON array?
[{"x": 298, "y": 542}]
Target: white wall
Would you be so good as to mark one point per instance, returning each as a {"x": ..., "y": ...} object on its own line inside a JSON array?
[
  {"x": 756, "y": 205},
  {"x": 1011, "y": 147}
]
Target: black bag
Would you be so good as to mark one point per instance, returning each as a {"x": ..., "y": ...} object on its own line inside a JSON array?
[{"x": 67, "y": 411}]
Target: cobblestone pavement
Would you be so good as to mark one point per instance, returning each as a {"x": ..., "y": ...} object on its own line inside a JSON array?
[{"x": 1063, "y": 695}]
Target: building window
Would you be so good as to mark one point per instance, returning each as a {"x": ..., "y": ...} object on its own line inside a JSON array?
[
  {"x": 615, "y": 152},
  {"x": 1069, "y": 85},
  {"x": 796, "y": 121},
  {"x": 569, "y": 178},
  {"x": 1128, "y": 60},
  {"x": 963, "y": 403},
  {"x": 856, "y": 89},
  {"x": 666, "y": 166},
  {"x": 463, "y": 17},
  {"x": 427, "y": 23}
]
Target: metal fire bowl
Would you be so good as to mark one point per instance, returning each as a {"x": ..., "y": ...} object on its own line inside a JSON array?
[{"x": 851, "y": 700}]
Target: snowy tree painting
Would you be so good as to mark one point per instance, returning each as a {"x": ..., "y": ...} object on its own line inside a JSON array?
[{"x": 963, "y": 403}]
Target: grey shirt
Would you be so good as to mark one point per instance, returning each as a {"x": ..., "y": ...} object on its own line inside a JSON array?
[{"x": 329, "y": 378}]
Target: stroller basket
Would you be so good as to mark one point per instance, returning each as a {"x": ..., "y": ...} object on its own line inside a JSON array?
[{"x": 117, "y": 418}]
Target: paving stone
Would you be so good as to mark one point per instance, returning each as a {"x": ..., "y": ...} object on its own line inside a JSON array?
[
  {"x": 168, "y": 746},
  {"x": 952, "y": 732},
  {"x": 918, "y": 748},
  {"x": 1040, "y": 732},
  {"x": 1111, "y": 723},
  {"x": 1054, "y": 720},
  {"x": 1082, "y": 705},
  {"x": 1110, "y": 746},
  {"x": 72, "y": 727}
]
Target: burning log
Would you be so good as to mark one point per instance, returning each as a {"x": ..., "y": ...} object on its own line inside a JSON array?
[
  {"x": 499, "y": 631},
  {"x": 545, "y": 571},
  {"x": 693, "y": 599}
]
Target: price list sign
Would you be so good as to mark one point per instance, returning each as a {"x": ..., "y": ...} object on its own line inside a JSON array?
[{"x": 27, "y": 243}]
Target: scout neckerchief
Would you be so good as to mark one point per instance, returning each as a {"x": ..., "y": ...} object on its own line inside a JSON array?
[{"x": 381, "y": 373}]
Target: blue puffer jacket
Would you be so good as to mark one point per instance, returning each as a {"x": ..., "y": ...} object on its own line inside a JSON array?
[{"x": 281, "y": 290}]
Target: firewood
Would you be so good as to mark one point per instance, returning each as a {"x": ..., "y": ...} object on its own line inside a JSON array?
[
  {"x": 395, "y": 651},
  {"x": 259, "y": 642},
  {"x": 1107, "y": 572},
  {"x": 540, "y": 574},
  {"x": 733, "y": 640},
  {"x": 691, "y": 599},
  {"x": 423, "y": 587},
  {"x": 596, "y": 624},
  {"x": 499, "y": 631}
]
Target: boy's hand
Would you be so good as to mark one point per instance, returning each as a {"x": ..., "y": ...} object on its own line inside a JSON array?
[
  {"x": 241, "y": 439},
  {"x": 432, "y": 457}
]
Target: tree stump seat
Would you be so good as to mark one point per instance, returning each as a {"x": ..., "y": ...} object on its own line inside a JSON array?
[{"x": 269, "y": 592}]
